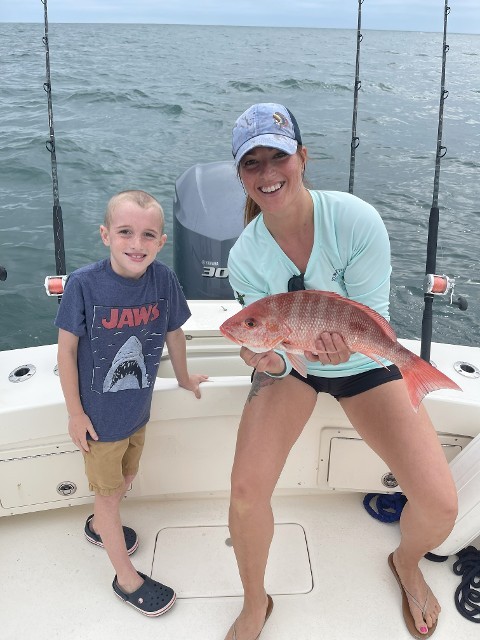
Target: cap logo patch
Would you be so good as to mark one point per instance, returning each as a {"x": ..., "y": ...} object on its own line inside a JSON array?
[{"x": 280, "y": 119}]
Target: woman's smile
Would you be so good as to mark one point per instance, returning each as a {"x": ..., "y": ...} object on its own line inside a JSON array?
[{"x": 273, "y": 188}]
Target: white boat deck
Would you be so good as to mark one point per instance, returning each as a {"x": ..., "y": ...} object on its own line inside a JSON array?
[
  {"x": 330, "y": 582},
  {"x": 328, "y": 572}
]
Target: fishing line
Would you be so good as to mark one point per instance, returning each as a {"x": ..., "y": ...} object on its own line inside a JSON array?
[
  {"x": 358, "y": 83},
  {"x": 434, "y": 284},
  {"x": 50, "y": 145}
]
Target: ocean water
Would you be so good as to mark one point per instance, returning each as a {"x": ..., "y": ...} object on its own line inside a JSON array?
[{"x": 136, "y": 105}]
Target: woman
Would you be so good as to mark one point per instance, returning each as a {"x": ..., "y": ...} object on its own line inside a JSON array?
[{"x": 296, "y": 238}]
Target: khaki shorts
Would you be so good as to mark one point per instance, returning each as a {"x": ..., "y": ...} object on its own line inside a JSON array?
[{"x": 107, "y": 463}]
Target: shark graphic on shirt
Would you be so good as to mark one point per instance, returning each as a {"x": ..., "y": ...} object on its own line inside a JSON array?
[{"x": 128, "y": 370}]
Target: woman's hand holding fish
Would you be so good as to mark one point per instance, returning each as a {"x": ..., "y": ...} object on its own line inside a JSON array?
[
  {"x": 267, "y": 361},
  {"x": 330, "y": 348}
]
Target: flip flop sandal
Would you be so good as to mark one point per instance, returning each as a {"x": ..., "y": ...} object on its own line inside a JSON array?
[
  {"x": 131, "y": 538},
  {"x": 151, "y": 599},
  {"x": 267, "y": 615},
  {"x": 407, "y": 614}
]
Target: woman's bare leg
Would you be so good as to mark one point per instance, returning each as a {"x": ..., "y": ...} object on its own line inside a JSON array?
[
  {"x": 408, "y": 443},
  {"x": 273, "y": 418}
]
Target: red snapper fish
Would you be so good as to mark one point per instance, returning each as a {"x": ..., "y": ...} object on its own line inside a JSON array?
[{"x": 293, "y": 321}]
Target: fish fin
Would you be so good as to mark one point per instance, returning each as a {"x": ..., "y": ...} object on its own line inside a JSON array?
[
  {"x": 376, "y": 359},
  {"x": 422, "y": 378},
  {"x": 371, "y": 313},
  {"x": 298, "y": 363},
  {"x": 268, "y": 345},
  {"x": 277, "y": 338}
]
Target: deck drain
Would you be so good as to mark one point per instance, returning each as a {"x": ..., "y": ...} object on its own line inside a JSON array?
[
  {"x": 22, "y": 373},
  {"x": 466, "y": 369}
]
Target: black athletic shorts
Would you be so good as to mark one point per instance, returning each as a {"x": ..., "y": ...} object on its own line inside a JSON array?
[{"x": 349, "y": 386}]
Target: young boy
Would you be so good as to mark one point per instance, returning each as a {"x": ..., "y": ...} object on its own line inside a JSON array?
[{"x": 114, "y": 319}]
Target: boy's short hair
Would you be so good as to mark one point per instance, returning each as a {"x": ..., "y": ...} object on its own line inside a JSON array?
[{"x": 142, "y": 198}]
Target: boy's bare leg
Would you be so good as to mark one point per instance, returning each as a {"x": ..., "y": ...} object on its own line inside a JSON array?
[{"x": 108, "y": 525}]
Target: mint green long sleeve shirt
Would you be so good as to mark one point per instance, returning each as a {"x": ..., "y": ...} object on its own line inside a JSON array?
[{"x": 350, "y": 256}]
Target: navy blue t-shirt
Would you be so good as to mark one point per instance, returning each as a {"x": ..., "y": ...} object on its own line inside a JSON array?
[{"x": 121, "y": 324}]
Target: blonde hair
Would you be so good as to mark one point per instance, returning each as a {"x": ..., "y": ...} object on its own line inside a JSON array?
[
  {"x": 251, "y": 210},
  {"x": 141, "y": 198}
]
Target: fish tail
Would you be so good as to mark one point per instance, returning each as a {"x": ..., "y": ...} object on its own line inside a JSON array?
[{"x": 421, "y": 378}]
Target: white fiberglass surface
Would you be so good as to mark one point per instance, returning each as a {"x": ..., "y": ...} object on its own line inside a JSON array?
[{"x": 56, "y": 585}]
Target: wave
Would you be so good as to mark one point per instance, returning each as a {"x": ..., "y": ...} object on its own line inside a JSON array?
[
  {"x": 246, "y": 87},
  {"x": 169, "y": 109},
  {"x": 153, "y": 100},
  {"x": 293, "y": 83}
]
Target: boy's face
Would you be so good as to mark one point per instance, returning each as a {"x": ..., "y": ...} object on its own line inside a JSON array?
[{"x": 134, "y": 237}]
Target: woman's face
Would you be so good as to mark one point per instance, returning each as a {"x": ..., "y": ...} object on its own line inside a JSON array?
[{"x": 272, "y": 178}]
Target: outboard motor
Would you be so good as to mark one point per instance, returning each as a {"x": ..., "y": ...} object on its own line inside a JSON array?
[{"x": 207, "y": 220}]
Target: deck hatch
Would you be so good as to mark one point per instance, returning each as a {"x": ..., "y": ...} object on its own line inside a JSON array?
[
  {"x": 353, "y": 466},
  {"x": 199, "y": 563}
]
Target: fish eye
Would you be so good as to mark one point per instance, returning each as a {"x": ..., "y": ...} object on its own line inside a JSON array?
[{"x": 250, "y": 323}]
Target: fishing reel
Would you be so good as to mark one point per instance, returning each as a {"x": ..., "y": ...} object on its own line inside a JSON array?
[
  {"x": 442, "y": 286},
  {"x": 54, "y": 285}
]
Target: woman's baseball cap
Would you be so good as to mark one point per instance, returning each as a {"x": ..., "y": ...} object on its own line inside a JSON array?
[{"x": 265, "y": 125}]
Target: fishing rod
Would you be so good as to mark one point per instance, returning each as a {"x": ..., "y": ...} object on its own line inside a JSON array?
[
  {"x": 434, "y": 284},
  {"x": 358, "y": 83},
  {"x": 50, "y": 145}
]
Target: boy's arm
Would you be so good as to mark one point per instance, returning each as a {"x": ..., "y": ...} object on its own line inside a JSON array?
[
  {"x": 177, "y": 350},
  {"x": 78, "y": 422}
]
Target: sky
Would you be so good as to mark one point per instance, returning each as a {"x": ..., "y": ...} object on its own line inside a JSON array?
[{"x": 405, "y": 15}]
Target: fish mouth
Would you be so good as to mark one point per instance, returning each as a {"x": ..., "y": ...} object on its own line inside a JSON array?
[{"x": 229, "y": 335}]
